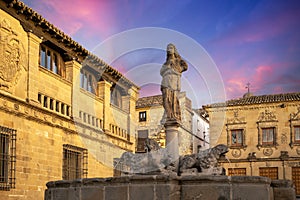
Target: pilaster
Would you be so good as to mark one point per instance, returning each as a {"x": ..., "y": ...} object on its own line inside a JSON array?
[
  {"x": 33, "y": 67},
  {"x": 73, "y": 75},
  {"x": 104, "y": 93},
  {"x": 133, "y": 96}
]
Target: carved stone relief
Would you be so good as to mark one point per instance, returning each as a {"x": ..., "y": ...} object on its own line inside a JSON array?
[
  {"x": 267, "y": 116},
  {"x": 294, "y": 121},
  {"x": 296, "y": 116},
  {"x": 236, "y": 119},
  {"x": 12, "y": 56},
  {"x": 268, "y": 151},
  {"x": 298, "y": 150},
  {"x": 236, "y": 153},
  {"x": 283, "y": 138},
  {"x": 16, "y": 106}
]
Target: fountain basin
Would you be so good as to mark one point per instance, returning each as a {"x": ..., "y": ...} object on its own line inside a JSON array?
[{"x": 170, "y": 187}]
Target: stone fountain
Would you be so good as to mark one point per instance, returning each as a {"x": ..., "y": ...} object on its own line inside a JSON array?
[{"x": 161, "y": 174}]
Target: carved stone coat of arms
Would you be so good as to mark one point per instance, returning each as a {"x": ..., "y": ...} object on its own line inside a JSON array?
[{"x": 12, "y": 56}]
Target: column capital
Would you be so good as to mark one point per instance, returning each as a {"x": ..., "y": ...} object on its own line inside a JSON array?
[{"x": 73, "y": 63}]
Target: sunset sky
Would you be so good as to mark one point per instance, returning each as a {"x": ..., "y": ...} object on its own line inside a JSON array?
[{"x": 248, "y": 40}]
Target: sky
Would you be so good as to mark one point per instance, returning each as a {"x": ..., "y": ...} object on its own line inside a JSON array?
[{"x": 255, "y": 41}]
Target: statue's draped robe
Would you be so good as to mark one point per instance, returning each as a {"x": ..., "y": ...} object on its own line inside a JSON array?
[{"x": 170, "y": 87}]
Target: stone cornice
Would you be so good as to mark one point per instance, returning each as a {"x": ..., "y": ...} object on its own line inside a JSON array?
[
  {"x": 257, "y": 100},
  {"x": 250, "y": 107}
]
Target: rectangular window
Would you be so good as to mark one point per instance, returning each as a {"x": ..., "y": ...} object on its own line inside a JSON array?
[
  {"x": 43, "y": 57},
  {"x": 7, "y": 158},
  {"x": 270, "y": 172},
  {"x": 4, "y": 157},
  {"x": 90, "y": 84},
  {"x": 297, "y": 134},
  {"x": 54, "y": 64},
  {"x": 74, "y": 162},
  {"x": 81, "y": 79},
  {"x": 142, "y": 136},
  {"x": 51, "y": 60},
  {"x": 142, "y": 116},
  {"x": 87, "y": 81},
  {"x": 237, "y": 137},
  {"x": 268, "y": 136},
  {"x": 48, "y": 60}
]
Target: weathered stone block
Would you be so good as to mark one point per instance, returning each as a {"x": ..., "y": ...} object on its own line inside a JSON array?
[
  {"x": 145, "y": 192},
  {"x": 60, "y": 194},
  {"x": 283, "y": 189},
  {"x": 205, "y": 187},
  {"x": 206, "y": 191},
  {"x": 92, "y": 193},
  {"x": 117, "y": 192},
  {"x": 167, "y": 191},
  {"x": 74, "y": 193},
  {"x": 251, "y": 187}
]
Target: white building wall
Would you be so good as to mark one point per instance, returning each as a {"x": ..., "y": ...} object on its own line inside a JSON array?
[{"x": 201, "y": 130}]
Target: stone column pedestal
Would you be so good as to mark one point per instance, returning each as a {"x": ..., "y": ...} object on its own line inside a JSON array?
[{"x": 171, "y": 127}]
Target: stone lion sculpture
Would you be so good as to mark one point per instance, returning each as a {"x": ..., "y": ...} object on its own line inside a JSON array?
[
  {"x": 154, "y": 160},
  {"x": 204, "y": 161},
  {"x": 158, "y": 160}
]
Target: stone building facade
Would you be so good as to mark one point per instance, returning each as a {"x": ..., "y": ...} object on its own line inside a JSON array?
[
  {"x": 200, "y": 130},
  {"x": 65, "y": 113},
  {"x": 263, "y": 134},
  {"x": 150, "y": 113}
]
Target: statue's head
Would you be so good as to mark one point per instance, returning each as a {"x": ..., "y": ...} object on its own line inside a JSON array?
[
  {"x": 171, "y": 50},
  {"x": 221, "y": 149}
]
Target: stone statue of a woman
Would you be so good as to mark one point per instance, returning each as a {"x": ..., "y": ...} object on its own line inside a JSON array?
[{"x": 170, "y": 84}]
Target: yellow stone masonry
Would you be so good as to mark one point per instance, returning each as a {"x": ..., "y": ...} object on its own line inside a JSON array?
[
  {"x": 49, "y": 109},
  {"x": 252, "y": 155}
]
